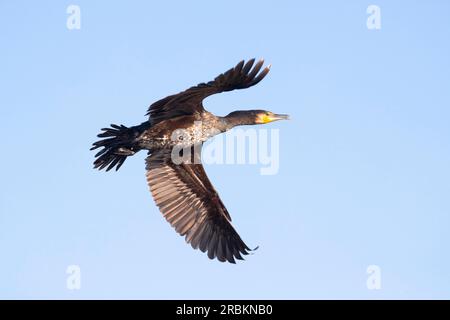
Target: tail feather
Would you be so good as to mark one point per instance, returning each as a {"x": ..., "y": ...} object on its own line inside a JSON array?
[{"x": 119, "y": 143}]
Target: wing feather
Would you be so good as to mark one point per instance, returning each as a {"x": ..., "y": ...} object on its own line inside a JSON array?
[
  {"x": 189, "y": 102},
  {"x": 189, "y": 202}
]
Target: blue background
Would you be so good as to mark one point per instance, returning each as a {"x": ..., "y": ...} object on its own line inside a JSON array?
[{"x": 364, "y": 165}]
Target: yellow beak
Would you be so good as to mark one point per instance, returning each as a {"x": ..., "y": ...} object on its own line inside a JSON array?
[{"x": 274, "y": 117}]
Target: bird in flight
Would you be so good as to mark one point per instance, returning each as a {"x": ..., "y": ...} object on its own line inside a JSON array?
[{"x": 175, "y": 175}]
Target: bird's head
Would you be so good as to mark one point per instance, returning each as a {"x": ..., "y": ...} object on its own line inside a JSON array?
[{"x": 254, "y": 117}]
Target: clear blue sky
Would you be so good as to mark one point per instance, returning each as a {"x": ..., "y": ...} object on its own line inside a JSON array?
[{"x": 364, "y": 173}]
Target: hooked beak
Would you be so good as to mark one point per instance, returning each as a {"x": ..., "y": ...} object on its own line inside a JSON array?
[
  {"x": 270, "y": 117},
  {"x": 276, "y": 117}
]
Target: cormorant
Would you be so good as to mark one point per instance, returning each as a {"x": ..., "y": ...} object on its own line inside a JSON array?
[{"x": 181, "y": 189}]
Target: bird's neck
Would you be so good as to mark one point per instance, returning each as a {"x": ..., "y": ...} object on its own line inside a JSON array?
[{"x": 230, "y": 121}]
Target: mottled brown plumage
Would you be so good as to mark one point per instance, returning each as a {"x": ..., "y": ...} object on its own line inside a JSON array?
[{"x": 182, "y": 191}]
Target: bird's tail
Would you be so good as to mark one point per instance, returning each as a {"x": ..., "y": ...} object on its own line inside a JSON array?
[{"x": 117, "y": 145}]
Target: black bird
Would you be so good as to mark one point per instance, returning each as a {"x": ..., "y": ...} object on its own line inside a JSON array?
[{"x": 181, "y": 189}]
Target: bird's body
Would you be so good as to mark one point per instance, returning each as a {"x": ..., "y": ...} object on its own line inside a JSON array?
[
  {"x": 198, "y": 128},
  {"x": 177, "y": 180}
]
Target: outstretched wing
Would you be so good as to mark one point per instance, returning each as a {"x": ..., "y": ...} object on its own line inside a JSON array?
[
  {"x": 190, "y": 101},
  {"x": 189, "y": 202}
]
